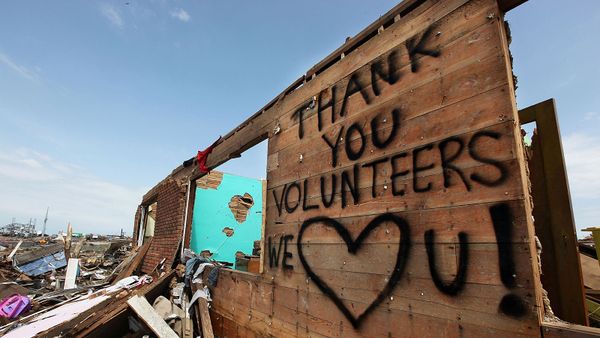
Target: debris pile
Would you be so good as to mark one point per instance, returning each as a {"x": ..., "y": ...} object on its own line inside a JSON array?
[
  {"x": 40, "y": 272},
  {"x": 95, "y": 288}
]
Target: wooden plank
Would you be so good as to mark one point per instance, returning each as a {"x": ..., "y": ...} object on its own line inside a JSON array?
[
  {"x": 523, "y": 174},
  {"x": 437, "y": 198},
  {"x": 188, "y": 329},
  {"x": 263, "y": 225},
  {"x": 553, "y": 213},
  {"x": 446, "y": 222},
  {"x": 14, "y": 251},
  {"x": 508, "y": 5},
  {"x": 563, "y": 330},
  {"x": 591, "y": 272},
  {"x": 207, "y": 330},
  {"x": 482, "y": 268},
  {"x": 203, "y": 314},
  {"x": 150, "y": 317},
  {"x": 135, "y": 263}
]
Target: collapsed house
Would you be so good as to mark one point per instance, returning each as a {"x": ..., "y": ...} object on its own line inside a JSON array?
[{"x": 400, "y": 200}]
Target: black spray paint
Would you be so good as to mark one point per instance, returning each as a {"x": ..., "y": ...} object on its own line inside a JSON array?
[
  {"x": 415, "y": 48},
  {"x": 353, "y": 247},
  {"x": 454, "y": 287},
  {"x": 511, "y": 304}
]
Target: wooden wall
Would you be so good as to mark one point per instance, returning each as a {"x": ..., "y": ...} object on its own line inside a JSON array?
[{"x": 397, "y": 201}]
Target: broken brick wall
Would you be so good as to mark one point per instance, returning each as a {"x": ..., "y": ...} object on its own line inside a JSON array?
[
  {"x": 170, "y": 198},
  {"x": 169, "y": 195}
]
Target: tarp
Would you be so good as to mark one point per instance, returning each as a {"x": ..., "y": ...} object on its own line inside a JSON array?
[{"x": 44, "y": 264}]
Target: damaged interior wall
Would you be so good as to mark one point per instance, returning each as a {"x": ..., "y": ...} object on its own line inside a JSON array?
[{"x": 227, "y": 215}]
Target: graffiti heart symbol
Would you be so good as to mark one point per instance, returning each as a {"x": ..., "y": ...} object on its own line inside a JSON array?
[{"x": 353, "y": 247}]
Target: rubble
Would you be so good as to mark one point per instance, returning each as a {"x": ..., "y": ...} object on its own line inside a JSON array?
[
  {"x": 33, "y": 271},
  {"x": 95, "y": 287}
]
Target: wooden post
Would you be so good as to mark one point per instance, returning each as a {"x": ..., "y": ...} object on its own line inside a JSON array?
[
  {"x": 202, "y": 306},
  {"x": 137, "y": 260},
  {"x": 554, "y": 223},
  {"x": 203, "y": 314}
]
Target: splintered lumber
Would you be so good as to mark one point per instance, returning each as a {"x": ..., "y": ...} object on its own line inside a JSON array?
[
  {"x": 12, "y": 253},
  {"x": 149, "y": 316},
  {"x": 202, "y": 306},
  {"x": 135, "y": 263},
  {"x": 202, "y": 313},
  {"x": 559, "y": 330},
  {"x": 188, "y": 331},
  {"x": 98, "y": 325}
]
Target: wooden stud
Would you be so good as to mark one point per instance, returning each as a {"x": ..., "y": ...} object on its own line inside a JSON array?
[{"x": 553, "y": 213}]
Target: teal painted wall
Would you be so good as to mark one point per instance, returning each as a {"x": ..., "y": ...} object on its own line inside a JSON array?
[{"x": 212, "y": 214}]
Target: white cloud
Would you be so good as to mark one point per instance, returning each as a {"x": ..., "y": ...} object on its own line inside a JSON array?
[
  {"x": 181, "y": 15},
  {"x": 592, "y": 116},
  {"x": 112, "y": 14},
  {"x": 23, "y": 71},
  {"x": 582, "y": 156},
  {"x": 31, "y": 181}
]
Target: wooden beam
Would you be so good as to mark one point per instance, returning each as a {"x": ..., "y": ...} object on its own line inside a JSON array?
[
  {"x": 554, "y": 223},
  {"x": 559, "y": 330},
  {"x": 262, "y": 226},
  {"x": 14, "y": 251},
  {"x": 507, "y": 5},
  {"x": 202, "y": 314},
  {"x": 135, "y": 263},
  {"x": 149, "y": 316},
  {"x": 202, "y": 306}
]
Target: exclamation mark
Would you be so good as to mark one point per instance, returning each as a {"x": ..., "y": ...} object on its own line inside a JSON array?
[{"x": 511, "y": 304}]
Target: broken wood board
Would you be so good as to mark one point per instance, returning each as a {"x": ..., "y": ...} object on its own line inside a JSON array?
[
  {"x": 129, "y": 269},
  {"x": 99, "y": 324},
  {"x": 205, "y": 323},
  {"x": 564, "y": 330},
  {"x": 591, "y": 272},
  {"x": 56, "y": 321},
  {"x": 202, "y": 313},
  {"x": 14, "y": 251},
  {"x": 148, "y": 315},
  {"x": 188, "y": 327}
]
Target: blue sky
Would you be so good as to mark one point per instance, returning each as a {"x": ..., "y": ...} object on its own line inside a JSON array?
[{"x": 99, "y": 100}]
